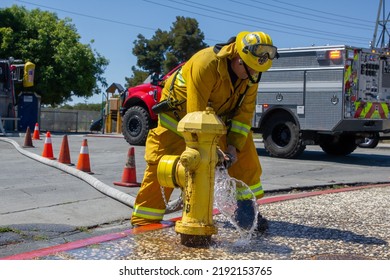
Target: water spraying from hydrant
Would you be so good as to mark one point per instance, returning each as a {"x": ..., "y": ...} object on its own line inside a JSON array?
[{"x": 225, "y": 200}]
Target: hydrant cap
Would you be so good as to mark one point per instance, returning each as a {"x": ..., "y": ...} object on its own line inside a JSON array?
[{"x": 202, "y": 121}]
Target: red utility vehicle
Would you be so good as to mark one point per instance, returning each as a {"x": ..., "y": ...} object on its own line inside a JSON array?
[{"x": 136, "y": 109}]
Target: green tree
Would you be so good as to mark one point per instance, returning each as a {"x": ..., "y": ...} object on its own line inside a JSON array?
[
  {"x": 165, "y": 49},
  {"x": 186, "y": 39},
  {"x": 64, "y": 66}
]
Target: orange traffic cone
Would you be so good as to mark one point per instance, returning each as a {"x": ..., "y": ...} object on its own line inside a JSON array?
[
  {"x": 27, "y": 139},
  {"x": 129, "y": 173},
  {"x": 47, "y": 147},
  {"x": 83, "y": 161},
  {"x": 64, "y": 156},
  {"x": 36, "y": 132}
]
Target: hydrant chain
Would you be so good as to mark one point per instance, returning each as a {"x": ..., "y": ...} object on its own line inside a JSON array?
[{"x": 166, "y": 202}]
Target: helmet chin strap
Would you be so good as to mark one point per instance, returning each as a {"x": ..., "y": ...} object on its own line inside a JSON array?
[{"x": 250, "y": 76}]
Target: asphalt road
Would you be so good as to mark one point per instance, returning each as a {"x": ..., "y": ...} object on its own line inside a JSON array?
[{"x": 42, "y": 203}]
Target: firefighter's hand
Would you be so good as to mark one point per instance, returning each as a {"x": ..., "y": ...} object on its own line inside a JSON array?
[
  {"x": 227, "y": 158},
  {"x": 232, "y": 151},
  {"x": 221, "y": 157}
]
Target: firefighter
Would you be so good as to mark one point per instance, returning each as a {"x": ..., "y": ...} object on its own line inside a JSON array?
[{"x": 226, "y": 78}]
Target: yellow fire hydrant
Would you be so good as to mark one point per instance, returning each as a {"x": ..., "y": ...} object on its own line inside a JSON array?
[{"x": 194, "y": 172}]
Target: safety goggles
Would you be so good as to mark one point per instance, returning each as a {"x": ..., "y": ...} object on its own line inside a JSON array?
[{"x": 263, "y": 51}]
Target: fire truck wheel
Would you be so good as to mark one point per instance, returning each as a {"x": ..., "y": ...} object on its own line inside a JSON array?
[
  {"x": 282, "y": 138},
  {"x": 135, "y": 125},
  {"x": 338, "y": 145},
  {"x": 370, "y": 142}
]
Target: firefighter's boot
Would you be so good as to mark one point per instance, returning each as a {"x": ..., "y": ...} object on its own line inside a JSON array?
[
  {"x": 245, "y": 216},
  {"x": 262, "y": 224}
]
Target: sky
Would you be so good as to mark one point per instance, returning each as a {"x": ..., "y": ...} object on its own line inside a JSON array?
[{"x": 113, "y": 25}]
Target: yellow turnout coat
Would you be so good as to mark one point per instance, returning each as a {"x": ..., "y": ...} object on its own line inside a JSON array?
[{"x": 203, "y": 80}]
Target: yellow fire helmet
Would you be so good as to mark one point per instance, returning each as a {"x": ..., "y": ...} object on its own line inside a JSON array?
[{"x": 256, "y": 50}]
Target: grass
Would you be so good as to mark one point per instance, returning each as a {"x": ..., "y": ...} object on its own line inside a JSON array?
[
  {"x": 5, "y": 229},
  {"x": 8, "y": 229},
  {"x": 83, "y": 229}
]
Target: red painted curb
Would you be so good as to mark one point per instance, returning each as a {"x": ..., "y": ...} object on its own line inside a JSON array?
[
  {"x": 164, "y": 224},
  {"x": 85, "y": 242}
]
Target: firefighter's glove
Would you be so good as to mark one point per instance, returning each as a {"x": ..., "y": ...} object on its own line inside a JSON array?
[
  {"x": 245, "y": 214},
  {"x": 231, "y": 156},
  {"x": 227, "y": 159}
]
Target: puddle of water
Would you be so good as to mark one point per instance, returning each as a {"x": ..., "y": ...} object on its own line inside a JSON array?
[{"x": 165, "y": 245}]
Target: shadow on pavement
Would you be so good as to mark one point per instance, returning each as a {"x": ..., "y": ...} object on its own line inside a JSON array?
[{"x": 292, "y": 230}]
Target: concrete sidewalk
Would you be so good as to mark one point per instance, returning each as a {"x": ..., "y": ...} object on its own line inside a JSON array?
[{"x": 335, "y": 224}]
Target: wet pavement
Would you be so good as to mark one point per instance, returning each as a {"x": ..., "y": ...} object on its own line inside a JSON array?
[{"x": 347, "y": 224}]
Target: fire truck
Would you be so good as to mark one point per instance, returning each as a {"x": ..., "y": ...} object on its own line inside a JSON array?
[
  {"x": 331, "y": 96},
  {"x": 12, "y": 72},
  {"x": 136, "y": 108}
]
